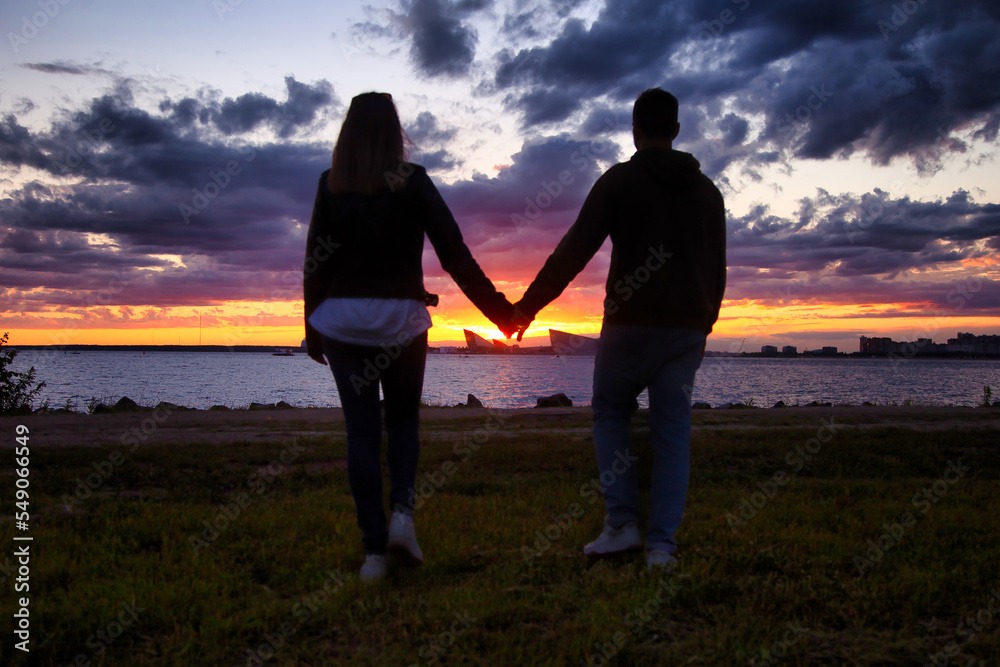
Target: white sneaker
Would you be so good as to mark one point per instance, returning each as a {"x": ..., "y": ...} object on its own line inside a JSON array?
[
  {"x": 374, "y": 568},
  {"x": 615, "y": 540},
  {"x": 403, "y": 539},
  {"x": 661, "y": 559}
]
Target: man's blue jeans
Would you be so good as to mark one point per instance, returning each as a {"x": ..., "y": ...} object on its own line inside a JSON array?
[{"x": 664, "y": 360}]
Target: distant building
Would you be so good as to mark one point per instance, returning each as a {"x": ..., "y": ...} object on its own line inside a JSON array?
[
  {"x": 769, "y": 349},
  {"x": 789, "y": 350},
  {"x": 967, "y": 343},
  {"x": 479, "y": 345},
  {"x": 875, "y": 345},
  {"x": 567, "y": 343},
  {"x": 829, "y": 351},
  {"x": 964, "y": 343}
]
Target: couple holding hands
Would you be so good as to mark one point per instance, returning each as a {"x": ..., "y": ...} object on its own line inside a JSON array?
[{"x": 364, "y": 297}]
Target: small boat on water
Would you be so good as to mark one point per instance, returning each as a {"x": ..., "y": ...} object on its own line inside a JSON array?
[{"x": 283, "y": 352}]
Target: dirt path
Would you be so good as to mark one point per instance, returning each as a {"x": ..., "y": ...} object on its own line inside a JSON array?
[{"x": 187, "y": 426}]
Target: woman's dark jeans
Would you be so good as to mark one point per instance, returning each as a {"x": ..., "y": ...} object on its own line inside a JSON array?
[{"x": 358, "y": 371}]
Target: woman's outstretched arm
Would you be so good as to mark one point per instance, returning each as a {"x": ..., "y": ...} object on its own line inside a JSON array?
[{"x": 455, "y": 256}]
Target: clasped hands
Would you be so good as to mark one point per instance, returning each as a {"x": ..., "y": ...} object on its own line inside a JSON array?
[{"x": 517, "y": 324}]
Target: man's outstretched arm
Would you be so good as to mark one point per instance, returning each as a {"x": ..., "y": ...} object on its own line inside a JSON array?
[{"x": 574, "y": 251}]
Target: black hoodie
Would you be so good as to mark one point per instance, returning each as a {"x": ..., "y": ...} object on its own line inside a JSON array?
[{"x": 667, "y": 224}]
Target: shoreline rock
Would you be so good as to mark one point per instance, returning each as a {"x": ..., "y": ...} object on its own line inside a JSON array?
[
  {"x": 470, "y": 402},
  {"x": 559, "y": 400}
]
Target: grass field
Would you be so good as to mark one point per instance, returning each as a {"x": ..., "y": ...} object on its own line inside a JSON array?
[{"x": 802, "y": 545}]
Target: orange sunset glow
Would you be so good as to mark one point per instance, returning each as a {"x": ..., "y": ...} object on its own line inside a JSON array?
[{"x": 742, "y": 325}]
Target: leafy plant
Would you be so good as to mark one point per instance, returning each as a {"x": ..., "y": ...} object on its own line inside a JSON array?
[
  {"x": 987, "y": 395},
  {"x": 17, "y": 389}
]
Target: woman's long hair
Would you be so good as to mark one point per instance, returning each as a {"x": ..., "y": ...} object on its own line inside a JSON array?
[{"x": 370, "y": 148}]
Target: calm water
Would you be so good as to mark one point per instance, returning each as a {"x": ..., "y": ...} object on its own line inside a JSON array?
[{"x": 203, "y": 379}]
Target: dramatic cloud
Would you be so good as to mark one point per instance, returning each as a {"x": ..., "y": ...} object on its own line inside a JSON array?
[
  {"x": 611, "y": 58},
  {"x": 868, "y": 250},
  {"x": 168, "y": 202},
  {"x": 250, "y": 111},
  {"x": 58, "y": 68},
  {"x": 442, "y": 43},
  {"x": 828, "y": 79},
  {"x": 547, "y": 176},
  {"x": 190, "y": 214},
  {"x": 429, "y": 139}
]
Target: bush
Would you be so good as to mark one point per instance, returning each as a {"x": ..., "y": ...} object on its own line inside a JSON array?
[{"x": 17, "y": 390}]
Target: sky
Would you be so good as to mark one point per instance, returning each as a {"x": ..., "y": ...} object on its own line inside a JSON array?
[{"x": 159, "y": 160}]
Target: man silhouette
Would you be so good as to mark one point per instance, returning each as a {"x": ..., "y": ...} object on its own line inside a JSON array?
[{"x": 665, "y": 286}]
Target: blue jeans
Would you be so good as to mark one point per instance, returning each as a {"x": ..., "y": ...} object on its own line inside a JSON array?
[
  {"x": 358, "y": 371},
  {"x": 664, "y": 360}
]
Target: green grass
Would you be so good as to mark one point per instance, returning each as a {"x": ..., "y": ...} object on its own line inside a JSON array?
[{"x": 478, "y": 600}]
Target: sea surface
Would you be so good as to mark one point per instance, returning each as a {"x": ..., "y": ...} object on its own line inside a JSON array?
[{"x": 204, "y": 379}]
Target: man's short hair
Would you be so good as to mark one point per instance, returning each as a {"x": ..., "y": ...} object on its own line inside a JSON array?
[{"x": 655, "y": 113}]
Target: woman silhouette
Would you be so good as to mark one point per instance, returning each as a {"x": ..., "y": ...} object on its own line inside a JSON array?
[{"x": 365, "y": 309}]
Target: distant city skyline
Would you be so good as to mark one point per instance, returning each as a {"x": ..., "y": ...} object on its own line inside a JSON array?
[{"x": 159, "y": 160}]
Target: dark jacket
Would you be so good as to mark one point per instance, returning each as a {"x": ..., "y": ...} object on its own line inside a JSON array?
[
  {"x": 370, "y": 246},
  {"x": 668, "y": 231}
]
